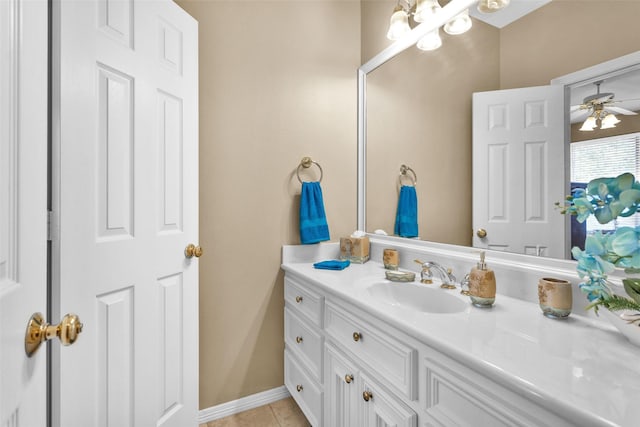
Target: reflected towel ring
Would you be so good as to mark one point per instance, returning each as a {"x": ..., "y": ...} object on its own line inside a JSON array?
[
  {"x": 403, "y": 173},
  {"x": 306, "y": 163}
]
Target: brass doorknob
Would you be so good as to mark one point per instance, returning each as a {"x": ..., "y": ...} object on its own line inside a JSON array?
[
  {"x": 357, "y": 336},
  {"x": 481, "y": 233},
  {"x": 299, "y": 388},
  {"x": 367, "y": 395},
  {"x": 299, "y": 339},
  {"x": 348, "y": 378},
  {"x": 192, "y": 251},
  {"x": 39, "y": 331}
]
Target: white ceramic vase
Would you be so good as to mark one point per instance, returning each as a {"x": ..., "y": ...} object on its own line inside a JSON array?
[{"x": 626, "y": 321}]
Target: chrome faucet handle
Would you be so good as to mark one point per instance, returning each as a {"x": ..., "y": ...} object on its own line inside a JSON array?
[
  {"x": 450, "y": 282},
  {"x": 464, "y": 285},
  {"x": 426, "y": 276}
]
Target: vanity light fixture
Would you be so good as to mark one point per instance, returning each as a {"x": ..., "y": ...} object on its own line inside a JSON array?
[
  {"x": 490, "y": 6},
  {"x": 398, "y": 24},
  {"x": 431, "y": 41},
  {"x": 460, "y": 24},
  {"x": 424, "y": 10}
]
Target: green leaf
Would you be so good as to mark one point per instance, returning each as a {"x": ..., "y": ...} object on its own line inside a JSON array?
[
  {"x": 617, "y": 303},
  {"x": 632, "y": 287}
]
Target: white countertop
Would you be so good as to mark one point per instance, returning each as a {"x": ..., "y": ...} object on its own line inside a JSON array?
[{"x": 582, "y": 369}]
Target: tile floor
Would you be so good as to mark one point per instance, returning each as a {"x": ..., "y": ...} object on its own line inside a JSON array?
[{"x": 283, "y": 413}]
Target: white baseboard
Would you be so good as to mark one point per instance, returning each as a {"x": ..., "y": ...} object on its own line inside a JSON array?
[{"x": 242, "y": 404}]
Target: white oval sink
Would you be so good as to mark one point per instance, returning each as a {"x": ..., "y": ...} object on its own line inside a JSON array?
[{"x": 418, "y": 297}]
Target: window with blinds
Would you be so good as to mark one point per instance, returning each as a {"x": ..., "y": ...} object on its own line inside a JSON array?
[{"x": 606, "y": 157}]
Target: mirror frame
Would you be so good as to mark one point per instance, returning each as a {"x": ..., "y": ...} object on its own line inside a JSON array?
[{"x": 614, "y": 67}]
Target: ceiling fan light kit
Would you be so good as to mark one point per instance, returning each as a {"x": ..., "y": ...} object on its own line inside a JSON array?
[
  {"x": 600, "y": 108},
  {"x": 609, "y": 121},
  {"x": 589, "y": 124}
]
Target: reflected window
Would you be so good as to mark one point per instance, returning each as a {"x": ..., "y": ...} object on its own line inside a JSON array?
[{"x": 606, "y": 157}]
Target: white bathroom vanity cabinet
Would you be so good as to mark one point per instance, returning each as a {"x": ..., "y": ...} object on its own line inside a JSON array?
[{"x": 354, "y": 357}]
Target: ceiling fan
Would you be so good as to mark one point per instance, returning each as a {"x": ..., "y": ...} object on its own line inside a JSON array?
[{"x": 599, "y": 106}]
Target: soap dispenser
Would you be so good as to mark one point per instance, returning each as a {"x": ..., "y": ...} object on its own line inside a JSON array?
[{"x": 482, "y": 285}]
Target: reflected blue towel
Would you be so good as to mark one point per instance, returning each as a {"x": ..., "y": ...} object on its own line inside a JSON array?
[
  {"x": 407, "y": 213},
  {"x": 313, "y": 222},
  {"x": 332, "y": 264}
]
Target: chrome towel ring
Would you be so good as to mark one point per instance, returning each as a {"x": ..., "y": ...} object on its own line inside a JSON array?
[
  {"x": 306, "y": 163},
  {"x": 403, "y": 174}
]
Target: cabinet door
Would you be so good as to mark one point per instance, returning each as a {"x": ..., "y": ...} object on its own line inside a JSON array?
[
  {"x": 341, "y": 390},
  {"x": 381, "y": 409}
]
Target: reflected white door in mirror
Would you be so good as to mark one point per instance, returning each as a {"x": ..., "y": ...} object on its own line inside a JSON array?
[{"x": 518, "y": 170}]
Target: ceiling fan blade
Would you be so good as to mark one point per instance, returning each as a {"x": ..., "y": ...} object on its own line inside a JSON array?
[
  {"x": 624, "y": 100},
  {"x": 620, "y": 110}
]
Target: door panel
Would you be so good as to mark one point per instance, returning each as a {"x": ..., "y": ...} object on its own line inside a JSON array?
[
  {"x": 518, "y": 170},
  {"x": 23, "y": 207},
  {"x": 127, "y": 208}
]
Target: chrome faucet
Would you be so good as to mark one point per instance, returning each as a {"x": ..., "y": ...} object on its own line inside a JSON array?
[{"x": 426, "y": 275}]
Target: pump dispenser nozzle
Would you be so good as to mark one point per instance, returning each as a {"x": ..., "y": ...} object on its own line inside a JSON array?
[{"x": 482, "y": 265}]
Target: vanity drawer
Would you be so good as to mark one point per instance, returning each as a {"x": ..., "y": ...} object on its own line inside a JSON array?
[
  {"x": 304, "y": 300},
  {"x": 304, "y": 342},
  {"x": 307, "y": 394},
  {"x": 392, "y": 359}
]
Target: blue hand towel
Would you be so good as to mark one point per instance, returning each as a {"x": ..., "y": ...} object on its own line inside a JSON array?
[
  {"x": 313, "y": 222},
  {"x": 407, "y": 213},
  {"x": 332, "y": 264}
]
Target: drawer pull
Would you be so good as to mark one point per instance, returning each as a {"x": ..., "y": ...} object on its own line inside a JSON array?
[
  {"x": 357, "y": 336},
  {"x": 367, "y": 395},
  {"x": 298, "y": 299},
  {"x": 298, "y": 340},
  {"x": 348, "y": 378},
  {"x": 299, "y": 388}
]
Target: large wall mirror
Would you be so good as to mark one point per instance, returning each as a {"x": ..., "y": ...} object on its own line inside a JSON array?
[{"x": 416, "y": 106}]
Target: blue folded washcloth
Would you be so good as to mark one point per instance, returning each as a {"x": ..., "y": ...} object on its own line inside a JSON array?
[
  {"x": 332, "y": 264},
  {"x": 407, "y": 213},
  {"x": 313, "y": 221}
]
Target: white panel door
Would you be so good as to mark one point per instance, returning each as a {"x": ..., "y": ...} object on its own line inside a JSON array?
[
  {"x": 519, "y": 170},
  {"x": 126, "y": 170},
  {"x": 23, "y": 207}
]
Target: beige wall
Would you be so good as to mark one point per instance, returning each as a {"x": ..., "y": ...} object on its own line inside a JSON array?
[
  {"x": 277, "y": 82},
  {"x": 565, "y": 36}
]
